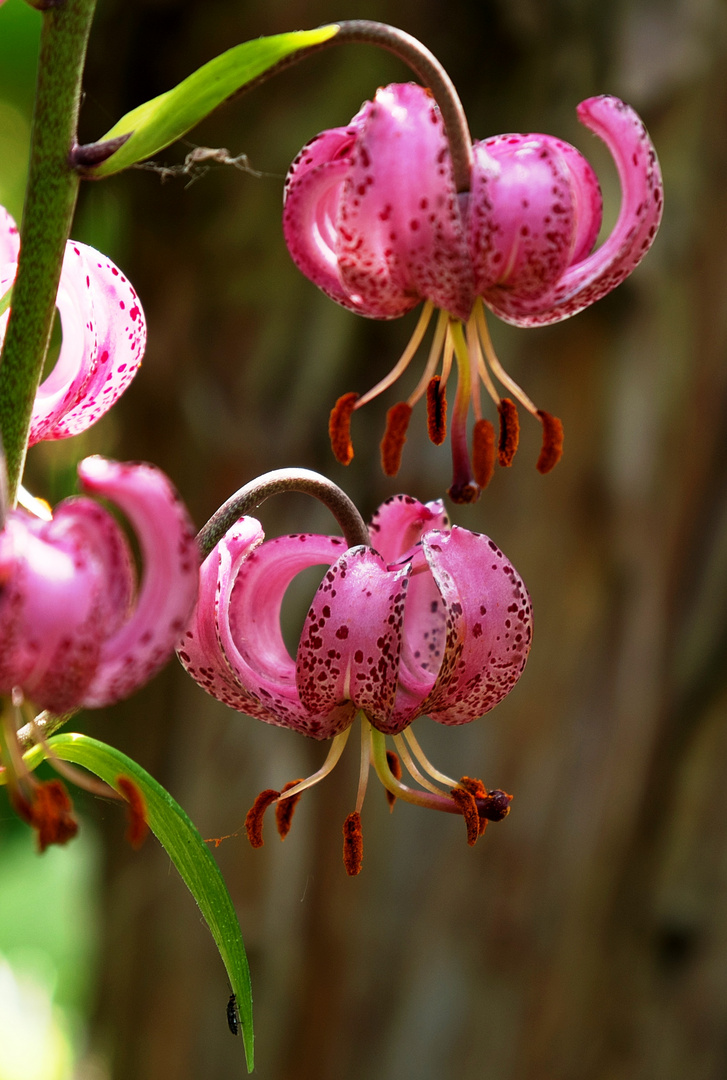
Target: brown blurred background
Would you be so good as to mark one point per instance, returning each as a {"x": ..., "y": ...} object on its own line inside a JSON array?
[{"x": 585, "y": 938}]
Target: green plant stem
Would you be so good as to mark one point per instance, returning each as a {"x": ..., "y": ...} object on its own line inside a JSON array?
[{"x": 47, "y": 215}]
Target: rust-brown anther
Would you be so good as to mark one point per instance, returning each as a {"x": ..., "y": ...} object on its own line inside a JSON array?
[
  {"x": 136, "y": 811},
  {"x": 468, "y": 808},
  {"x": 392, "y": 760},
  {"x": 478, "y": 790},
  {"x": 352, "y": 844},
  {"x": 437, "y": 411},
  {"x": 51, "y": 814},
  {"x": 285, "y": 809},
  {"x": 483, "y": 452},
  {"x": 254, "y": 817},
  {"x": 552, "y": 449},
  {"x": 339, "y": 427},
  {"x": 509, "y": 431},
  {"x": 392, "y": 444}
]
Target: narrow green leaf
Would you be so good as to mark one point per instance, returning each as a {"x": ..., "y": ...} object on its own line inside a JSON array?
[
  {"x": 158, "y": 122},
  {"x": 186, "y": 849}
]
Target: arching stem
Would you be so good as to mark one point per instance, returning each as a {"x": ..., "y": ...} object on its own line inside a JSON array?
[{"x": 249, "y": 497}]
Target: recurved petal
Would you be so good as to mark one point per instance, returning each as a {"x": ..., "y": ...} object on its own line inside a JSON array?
[
  {"x": 200, "y": 650},
  {"x": 52, "y": 609},
  {"x": 170, "y": 556},
  {"x": 488, "y": 625},
  {"x": 104, "y": 336},
  {"x": 251, "y": 595},
  {"x": 399, "y": 523},
  {"x": 642, "y": 201},
  {"x": 351, "y": 640},
  {"x": 523, "y": 222},
  {"x": 401, "y": 236},
  {"x": 310, "y": 226}
]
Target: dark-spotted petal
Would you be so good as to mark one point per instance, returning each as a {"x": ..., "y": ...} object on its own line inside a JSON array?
[
  {"x": 401, "y": 235},
  {"x": 248, "y": 620},
  {"x": 488, "y": 625},
  {"x": 351, "y": 641},
  {"x": 104, "y": 336},
  {"x": 400, "y": 522}
]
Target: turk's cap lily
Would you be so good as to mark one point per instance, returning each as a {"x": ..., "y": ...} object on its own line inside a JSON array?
[
  {"x": 432, "y": 620},
  {"x": 372, "y": 216},
  {"x": 104, "y": 337},
  {"x": 76, "y": 629}
]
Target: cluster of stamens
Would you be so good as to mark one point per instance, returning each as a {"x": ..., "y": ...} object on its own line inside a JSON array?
[
  {"x": 470, "y": 346},
  {"x": 467, "y": 796}
]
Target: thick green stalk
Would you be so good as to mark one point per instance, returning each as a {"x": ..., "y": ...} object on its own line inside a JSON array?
[{"x": 47, "y": 216}]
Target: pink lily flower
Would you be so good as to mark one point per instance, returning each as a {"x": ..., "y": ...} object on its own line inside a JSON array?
[
  {"x": 433, "y": 621},
  {"x": 372, "y": 216},
  {"x": 104, "y": 336},
  {"x": 75, "y": 629}
]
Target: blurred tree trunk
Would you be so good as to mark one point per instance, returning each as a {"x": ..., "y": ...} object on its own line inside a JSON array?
[{"x": 585, "y": 938}]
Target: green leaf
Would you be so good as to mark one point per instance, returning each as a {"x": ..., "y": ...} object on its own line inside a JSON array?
[
  {"x": 185, "y": 847},
  {"x": 158, "y": 122}
]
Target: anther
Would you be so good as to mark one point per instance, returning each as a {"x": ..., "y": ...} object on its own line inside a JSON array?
[
  {"x": 509, "y": 431},
  {"x": 392, "y": 444},
  {"x": 51, "y": 815},
  {"x": 436, "y": 410},
  {"x": 136, "y": 811},
  {"x": 352, "y": 844},
  {"x": 285, "y": 808},
  {"x": 483, "y": 452},
  {"x": 392, "y": 760},
  {"x": 552, "y": 448},
  {"x": 478, "y": 790},
  {"x": 339, "y": 427},
  {"x": 468, "y": 808},
  {"x": 254, "y": 817}
]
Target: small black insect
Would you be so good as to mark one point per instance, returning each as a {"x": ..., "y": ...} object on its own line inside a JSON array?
[{"x": 233, "y": 1015}]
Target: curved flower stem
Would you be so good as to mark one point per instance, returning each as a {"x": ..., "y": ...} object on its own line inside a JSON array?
[
  {"x": 249, "y": 497},
  {"x": 49, "y": 205},
  {"x": 424, "y": 64}
]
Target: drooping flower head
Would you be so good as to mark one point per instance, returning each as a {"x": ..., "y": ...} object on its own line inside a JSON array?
[
  {"x": 75, "y": 629},
  {"x": 104, "y": 336},
  {"x": 373, "y": 217},
  {"x": 431, "y": 620}
]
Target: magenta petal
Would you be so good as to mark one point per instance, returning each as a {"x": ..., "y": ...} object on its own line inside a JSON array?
[
  {"x": 104, "y": 335},
  {"x": 251, "y": 594},
  {"x": 310, "y": 226},
  {"x": 401, "y": 236},
  {"x": 52, "y": 611},
  {"x": 523, "y": 218},
  {"x": 488, "y": 625},
  {"x": 642, "y": 203},
  {"x": 593, "y": 277},
  {"x": 200, "y": 650},
  {"x": 351, "y": 640},
  {"x": 145, "y": 641},
  {"x": 400, "y": 522}
]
